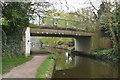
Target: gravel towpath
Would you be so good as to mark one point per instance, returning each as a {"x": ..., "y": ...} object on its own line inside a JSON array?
[{"x": 28, "y": 69}]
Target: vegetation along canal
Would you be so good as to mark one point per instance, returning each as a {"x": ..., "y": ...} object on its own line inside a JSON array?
[{"x": 71, "y": 66}]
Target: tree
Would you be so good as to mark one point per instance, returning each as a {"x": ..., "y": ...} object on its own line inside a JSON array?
[
  {"x": 111, "y": 22},
  {"x": 15, "y": 17},
  {"x": 107, "y": 18}
]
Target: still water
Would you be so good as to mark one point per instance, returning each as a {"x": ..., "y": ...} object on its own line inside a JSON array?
[{"x": 71, "y": 66}]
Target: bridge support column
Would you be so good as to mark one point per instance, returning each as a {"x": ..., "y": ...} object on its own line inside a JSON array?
[
  {"x": 83, "y": 44},
  {"x": 27, "y": 42}
]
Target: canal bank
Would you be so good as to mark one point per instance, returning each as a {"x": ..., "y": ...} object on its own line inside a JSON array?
[
  {"x": 45, "y": 70},
  {"x": 97, "y": 55},
  {"x": 67, "y": 62},
  {"x": 73, "y": 66},
  {"x": 68, "y": 65}
]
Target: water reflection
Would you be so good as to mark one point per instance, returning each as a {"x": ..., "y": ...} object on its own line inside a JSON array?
[
  {"x": 64, "y": 61},
  {"x": 70, "y": 66},
  {"x": 95, "y": 69}
]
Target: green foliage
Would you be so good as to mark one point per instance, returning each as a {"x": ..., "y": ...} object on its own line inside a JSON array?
[
  {"x": 105, "y": 7},
  {"x": 52, "y": 57},
  {"x": 9, "y": 62},
  {"x": 106, "y": 54},
  {"x": 116, "y": 21},
  {"x": 104, "y": 25},
  {"x": 45, "y": 68},
  {"x": 15, "y": 17},
  {"x": 13, "y": 46},
  {"x": 110, "y": 24},
  {"x": 102, "y": 51},
  {"x": 72, "y": 48},
  {"x": 0, "y": 64},
  {"x": 80, "y": 19},
  {"x": 53, "y": 41},
  {"x": 5, "y": 22}
]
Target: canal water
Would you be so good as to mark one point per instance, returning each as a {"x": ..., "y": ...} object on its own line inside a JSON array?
[{"x": 71, "y": 66}]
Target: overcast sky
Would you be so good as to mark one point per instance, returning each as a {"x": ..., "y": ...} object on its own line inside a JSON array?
[
  {"x": 71, "y": 5},
  {"x": 74, "y": 4}
]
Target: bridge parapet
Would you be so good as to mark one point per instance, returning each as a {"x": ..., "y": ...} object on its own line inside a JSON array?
[
  {"x": 60, "y": 32},
  {"x": 65, "y": 23}
]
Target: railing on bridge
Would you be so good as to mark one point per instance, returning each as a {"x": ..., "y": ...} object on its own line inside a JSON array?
[{"x": 65, "y": 23}]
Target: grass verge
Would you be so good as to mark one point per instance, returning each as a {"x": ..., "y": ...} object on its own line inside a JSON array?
[
  {"x": 9, "y": 62},
  {"x": 106, "y": 54},
  {"x": 0, "y": 64},
  {"x": 46, "y": 68}
]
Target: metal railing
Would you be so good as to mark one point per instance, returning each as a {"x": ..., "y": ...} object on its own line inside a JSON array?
[{"x": 64, "y": 23}]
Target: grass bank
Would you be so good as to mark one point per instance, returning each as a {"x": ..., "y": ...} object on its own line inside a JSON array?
[
  {"x": 9, "y": 62},
  {"x": 0, "y": 65},
  {"x": 46, "y": 68},
  {"x": 106, "y": 54}
]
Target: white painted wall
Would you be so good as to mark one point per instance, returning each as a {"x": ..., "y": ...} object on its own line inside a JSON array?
[{"x": 27, "y": 41}]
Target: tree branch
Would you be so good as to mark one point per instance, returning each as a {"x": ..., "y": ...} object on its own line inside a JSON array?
[{"x": 92, "y": 5}]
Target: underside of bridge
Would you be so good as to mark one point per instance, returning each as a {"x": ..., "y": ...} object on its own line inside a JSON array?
[
  {"x": 59, "y": 35},
  {"x": 83, "y": 44},
  {"x": 82, "y": 39}
]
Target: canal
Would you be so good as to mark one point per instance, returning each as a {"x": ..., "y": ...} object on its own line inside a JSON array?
[{"x": 70, "y": 66}]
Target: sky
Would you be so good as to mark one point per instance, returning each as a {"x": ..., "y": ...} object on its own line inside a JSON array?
[
  {"x": 74, "y": 4},
  {"x": 71, "y": 4}
]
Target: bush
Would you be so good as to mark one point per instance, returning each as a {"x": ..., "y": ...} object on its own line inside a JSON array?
[
  {"x": 52, "y": 57},
  {"x": 12, "y": 46}
]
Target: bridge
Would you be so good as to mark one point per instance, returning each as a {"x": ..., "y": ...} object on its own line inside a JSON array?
[
  {"x": 60, "y": 32},
  {"x": 82, "y": 36}
]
